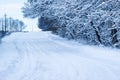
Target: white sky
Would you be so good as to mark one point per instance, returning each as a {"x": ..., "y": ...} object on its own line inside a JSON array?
[{"x": 13, "y": 9}]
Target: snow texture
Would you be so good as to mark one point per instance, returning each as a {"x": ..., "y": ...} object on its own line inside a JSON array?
[
  {"x": 43, "y": 56},
  {"x": 95, "y": 22}
]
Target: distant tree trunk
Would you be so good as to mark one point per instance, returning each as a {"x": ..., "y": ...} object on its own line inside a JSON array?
[
  {"x": 96, "y": 32},
  {"x": 114, "y": 36},
  {"x": 2, "y": 25},
  {"x": 5, "y": 23}
]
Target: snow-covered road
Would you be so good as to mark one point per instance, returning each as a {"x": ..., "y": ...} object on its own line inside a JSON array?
[{"x": 43, "y": 56}]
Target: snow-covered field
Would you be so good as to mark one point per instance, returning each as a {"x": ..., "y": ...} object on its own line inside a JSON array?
[{"x": 43, "y": 56}]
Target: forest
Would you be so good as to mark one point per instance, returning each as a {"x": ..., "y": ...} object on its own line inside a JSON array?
[
  {"x": 9, "y": 25},
  {"x": 93, "y": 22}
]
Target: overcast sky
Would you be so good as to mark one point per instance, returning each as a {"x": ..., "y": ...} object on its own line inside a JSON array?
[
  {"x": 13, "y": 9},
  {"x": 12, "y": 1}
]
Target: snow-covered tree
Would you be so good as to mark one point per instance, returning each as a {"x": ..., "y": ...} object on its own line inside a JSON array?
[
  {"x": 92, "y": 21},
  {"x": 10, "y": 24}
]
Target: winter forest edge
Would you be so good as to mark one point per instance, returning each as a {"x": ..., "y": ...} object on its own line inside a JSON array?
[{"x": 94, "y": 22}]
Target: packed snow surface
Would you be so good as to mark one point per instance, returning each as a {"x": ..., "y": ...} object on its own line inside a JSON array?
[{"x": 43, "y": 56}]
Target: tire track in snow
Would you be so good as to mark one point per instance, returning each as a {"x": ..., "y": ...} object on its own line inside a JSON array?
[
  {"x": 40, "y": 60},
  {"x": 31, "y": 58},
  {"x": 23, "y": 64},
  {"x": 10, "y": 62},
  {"x": 102, "y": 65}
]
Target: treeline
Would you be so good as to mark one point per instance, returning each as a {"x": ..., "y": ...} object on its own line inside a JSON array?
[
  {"x": 95, "y": 22},
  {"x": 8, "y": 25}
]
